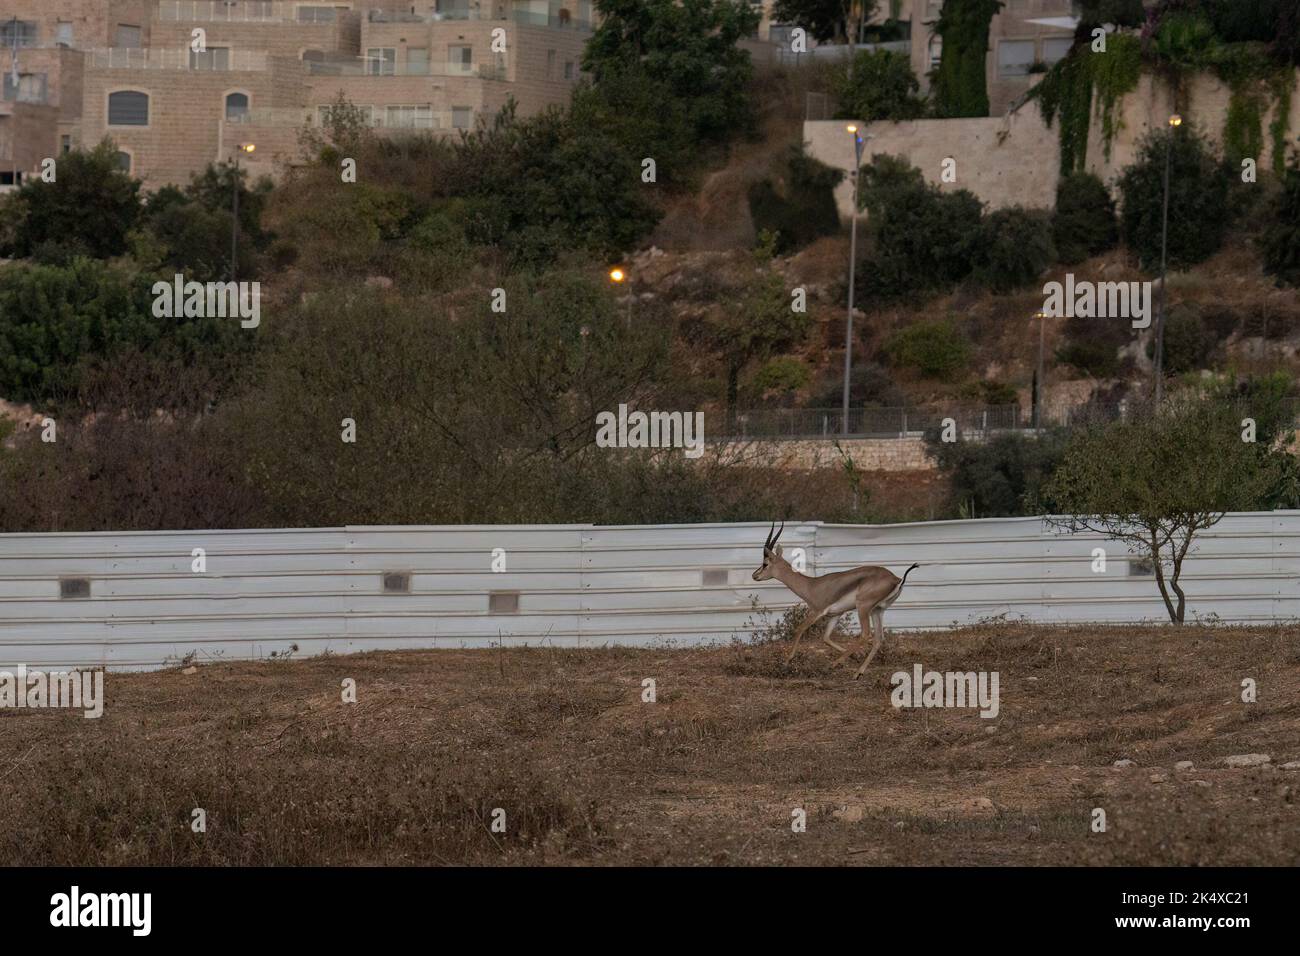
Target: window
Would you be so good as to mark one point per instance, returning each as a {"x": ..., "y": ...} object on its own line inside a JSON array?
[
  {"x": 63, "y": 34},
  {"x": 65, "y": 143},
  {"x": 123, "y": 161},
  {"x": 1015, "y": 57},
  {"x": 213, "y": 58},
  {"x": 381, "y": 61},
  {"x": 128, "y": 108},
  {"x": 936, "y": 51},
  {"x": 417, "y": 61},
  {"x": 236, "y": 106},
  {"x": 1055, "y": 48},
  {"x": 313, "y": 56},
  {"x": 460, "y": 60},
  {"x": 550, "y": 64},
  {"x": 462, "y": 117},
  {"x": 408, "y": 117},
  {"x": 17, "y": 33},
  {"x": 451, "y": 10},
  {"x": 29, "y": 89},
  {"x": 127, "y": 36},
  {"x": 315, "y": 14},
  {"x": 568, "y": 69}
]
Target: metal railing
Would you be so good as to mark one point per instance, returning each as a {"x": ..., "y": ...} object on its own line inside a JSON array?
[
  {"x": 247, "y": 11},
  {"x": 915, "y": 421},
  {"x": 560, "y": 19},
  {"x": 131, "y": 58},
  {"x": 372, "y": 66}
]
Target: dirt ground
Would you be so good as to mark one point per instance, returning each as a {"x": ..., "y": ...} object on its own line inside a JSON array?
[{"x": 586, "y": 772}]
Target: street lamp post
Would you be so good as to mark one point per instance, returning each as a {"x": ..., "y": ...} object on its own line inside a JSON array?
[
  {"x": 858, "y": 142},
  {"x": 234, "y": 210},
  {"x": 1174, "y": 122},
  {"x": 1039, "y": 391},
  {"x": 618, "y": 276}
]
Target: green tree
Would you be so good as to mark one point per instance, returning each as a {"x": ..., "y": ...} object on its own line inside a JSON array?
[
  {"x": 1156, "y": 482},
  {"x": 1198, "y": 199},
  {"x": 1124, "y": 13},
  {"x": 920, "y": 238},
  {"x": 960, "y": 88},
  {"x": 877, "y": 85},
  {"x": 193, "y": 227},
  {"x": 826, "y": 20},
  {"x": 485, "y": 417},
  {"x": 87, "y": 210},
  {"x": 760, "y": 324},
  {"x": 687, "y": 46},
  {"x": 1280, "y": 242},
  {"x": 1001, "y": 476},
  {"x": 545, "y": 184},
  {"x": 803, "y": 208}
]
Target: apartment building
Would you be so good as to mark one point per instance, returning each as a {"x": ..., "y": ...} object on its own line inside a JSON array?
[{"x": 177, "y": 84}]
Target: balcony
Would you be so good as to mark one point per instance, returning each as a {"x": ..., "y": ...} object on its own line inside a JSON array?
[
  {"x": 369, "y": 66},
  {"x": 127, "y": 58},
  {"x": 245, "y": 11},
  {"x": 560, "y": 20}
]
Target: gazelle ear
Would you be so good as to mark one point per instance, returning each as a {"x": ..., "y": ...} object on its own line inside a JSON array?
[{"x": 779, "y": 549}]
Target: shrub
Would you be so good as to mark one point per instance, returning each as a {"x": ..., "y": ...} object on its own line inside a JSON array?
[
  {"x": 1198, "y": 208},
  {"x": 921, "y": 239},
  {"x": 1093, "y": 346},
  {"x": 804, "y": 210},
  {"x": 548, "y": 183},
  {"x": 1001, "y": 476},
  {"x": 782, "y": 375},
  {"x": 935, "y": 348},
  {"x": 55, "y": 319},
  {"x": 1280, "y": 243},
  {"x": 1188, "y": 342},
  {"x": 870, "y": 385},
  {"x": 88, "y": 210},
  {"x": 1015, "y": 246},
  {"x": 877, "y": 85},
  {"x": 1084, "y": 223}
]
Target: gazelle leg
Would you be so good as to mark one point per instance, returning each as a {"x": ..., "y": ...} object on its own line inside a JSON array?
[
  {"x": 847, "y": 653},
  {"x": 799, "y": 633},
  {"x": 875, "y": 619},
  {"x": 826, "y": 634}
]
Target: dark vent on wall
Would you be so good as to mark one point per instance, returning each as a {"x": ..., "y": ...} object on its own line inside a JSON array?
[
  {"x": 503, "y": 602},
  {"x": 397, "y": 582},
  {"x": 714, "y": 577},
  {"x": 1141, "y": 568},
  {"x": 74, "y": 587}
]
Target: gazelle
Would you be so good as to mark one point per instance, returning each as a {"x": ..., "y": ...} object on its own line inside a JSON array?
[{"x": 869, "y": 589}]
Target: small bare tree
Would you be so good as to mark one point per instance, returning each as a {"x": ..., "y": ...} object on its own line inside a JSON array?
[{"x": 1156, "y": 482}]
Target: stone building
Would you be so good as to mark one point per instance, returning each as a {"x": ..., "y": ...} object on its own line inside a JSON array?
[{"x": 178, "y": 84}]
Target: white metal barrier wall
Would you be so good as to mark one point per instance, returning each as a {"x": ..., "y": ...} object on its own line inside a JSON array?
[{"x": 132, "y": 599}]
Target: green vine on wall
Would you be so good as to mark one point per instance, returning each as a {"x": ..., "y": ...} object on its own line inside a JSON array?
[
  {"x": 1255, "y": 82},
  {"x": 1069, "y": 89},
  {"x": 1282, "y": 85}
]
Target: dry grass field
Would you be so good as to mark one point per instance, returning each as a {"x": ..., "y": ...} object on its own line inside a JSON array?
[{"x": 708, "y": 774}]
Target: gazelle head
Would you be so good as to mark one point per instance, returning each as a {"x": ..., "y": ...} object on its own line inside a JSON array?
[{"x": 771, "y": 553}]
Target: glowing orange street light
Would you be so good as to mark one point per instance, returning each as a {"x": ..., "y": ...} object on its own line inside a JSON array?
[{"x": 617, "y": 275}]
